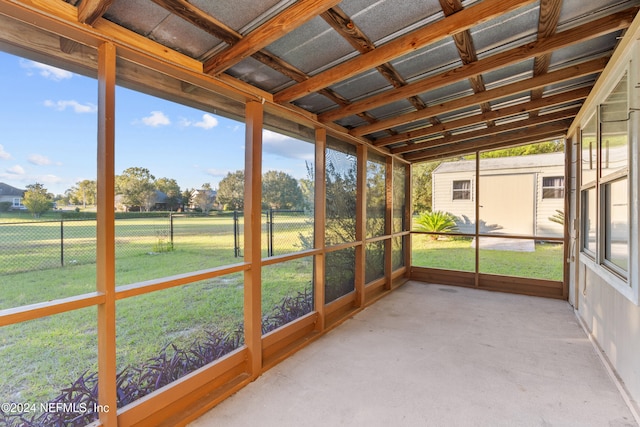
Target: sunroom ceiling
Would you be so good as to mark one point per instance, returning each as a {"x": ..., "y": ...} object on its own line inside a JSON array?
[{"x": 421, "y": 78}]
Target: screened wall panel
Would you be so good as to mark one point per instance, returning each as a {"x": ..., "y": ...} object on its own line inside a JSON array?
[
  {"x": 341, "y": 192},
  {"x": 376, "y": 195},
  {"x": 399, "y": 197},
  {"x": 339, "y": 273}
]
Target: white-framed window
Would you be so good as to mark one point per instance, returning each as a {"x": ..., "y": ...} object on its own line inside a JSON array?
[
  {"x": 553, "y": 187},
  {"x": 461, "y": 189},
  {"x": 605, "y": 192},
  {"x": 17, "y": 202}
]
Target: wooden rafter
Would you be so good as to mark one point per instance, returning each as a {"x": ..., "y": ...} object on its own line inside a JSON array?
[
  {"x": 291, "y": 18},
  {"x": 466, "y": 50},
  {"x": 550, "y": 101},
  {"x": 490, "y": 131},
  {"x": 534, "y": 133},
  {"x": 417, "y": 39},
  {"x": 348, "y": 29},
  {"x": 564, "y": 39},
  {"x": 90, "y": 11},
  {"x": 547, "y": 24},
  {"x": 589, "y": 67}
]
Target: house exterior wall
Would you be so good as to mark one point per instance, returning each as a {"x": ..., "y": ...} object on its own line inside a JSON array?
[{"x": 607, "y": 304}]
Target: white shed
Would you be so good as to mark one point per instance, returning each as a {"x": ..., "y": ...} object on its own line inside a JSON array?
[{"x": 518, "y": 195}]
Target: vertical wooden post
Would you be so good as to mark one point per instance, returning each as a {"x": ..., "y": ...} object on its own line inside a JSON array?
[
  {"x": 252, "y": 240},
  {"x": 105, "y": 235},
  {"x": 388, "y": 222},
  {"x": 477, "y": 230},
  {"x": 568, "y": 156},
  {"x": 320, "y": 213},
  {"x": 408, "y": 217},
  {"x": 361, "y": 224}
]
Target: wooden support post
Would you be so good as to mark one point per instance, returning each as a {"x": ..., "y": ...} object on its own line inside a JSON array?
[
  {"x": 105, "y": 235},
  {"x": 408, "y": 217},
  {"x": 252, "y": 240},
  {"x": 361, "y": 225},
  {"x": 388, "y": 223},
  {"x": 320, "y": 224}
]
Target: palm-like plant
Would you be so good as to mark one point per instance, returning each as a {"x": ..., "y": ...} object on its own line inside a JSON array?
[{"x": 436, "y": 222}]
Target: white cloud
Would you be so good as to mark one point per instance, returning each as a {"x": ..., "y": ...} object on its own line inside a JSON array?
[
  {"x": 16, "y": 170},
  {"x": 38, "y": 159},
  {"x": 75, "y": 105},
  {"x": 207, "y": 122},
  {"x": 285, "y": 146},
  {"x": 3, "y": 154},
  {"x": 46, "y": 71},
  {"x": 217, "y": 172},
  {"x": 157, "y": 118}
]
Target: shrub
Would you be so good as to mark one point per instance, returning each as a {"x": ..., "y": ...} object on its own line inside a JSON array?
[{"x": 436, "y": 222}]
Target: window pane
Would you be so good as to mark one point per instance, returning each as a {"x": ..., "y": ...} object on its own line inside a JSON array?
[
  {"x": 589, "y": 141},
  {"x": 512, "y": 190},
  {"x": 399, "y": 197},
  {"x": 48, "y": 128},
  {"x": 434, "y": 191},
  {"x": 288, "y": 163},
  {"x": 287, "y": 292},
  {"x": 614, "y": 136},
  {"x": 397, "y": 252},
  {"x": 340, "y": 267},
  {"x": 521, "y": 258},
  {"x": 48, "y": 360},
  {"x": 164, "y": 335},
  {"x": 180, "y": 176},
  {"x": 617, "y": 223},
  {"x": 341, "y": 184},
  {"x": 376, "y": 195},
  {"x": 449, "y": 254},
  {"x": 589, "y": 220},
  {"x": 553, "y": 187},
  {"x": 374, "y": 259}
]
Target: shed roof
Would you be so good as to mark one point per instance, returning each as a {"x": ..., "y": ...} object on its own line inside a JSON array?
[
  {"x": 7, "y": 190},
  {"x": 517, "y": 162}
]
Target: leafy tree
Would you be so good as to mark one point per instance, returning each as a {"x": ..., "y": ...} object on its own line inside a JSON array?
[
  {"x": 187, "y": 196},
  {"x": 170, "y": 187},
  {"x": 137, "y": 187},
  {"x": 554, "y": 146},
  {"x": 36, "y": 199},
  {"x": 205, "y": 198},
  {"x": 281, "y": 191},
  {"x": 84, "y": 193},
  {"x": 231, "y": 191},
  {"x": 421, "y": 183}
]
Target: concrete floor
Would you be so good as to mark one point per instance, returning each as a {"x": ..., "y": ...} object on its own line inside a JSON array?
[{"x": 432, "y": 355}]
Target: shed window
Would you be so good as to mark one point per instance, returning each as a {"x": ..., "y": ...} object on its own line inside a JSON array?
[
  {"x": 462, "y": 189},
  {"x": 553, "y": 187}
]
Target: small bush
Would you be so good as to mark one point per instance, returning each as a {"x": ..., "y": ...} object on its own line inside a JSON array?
[{"x": 436, "y": 222}]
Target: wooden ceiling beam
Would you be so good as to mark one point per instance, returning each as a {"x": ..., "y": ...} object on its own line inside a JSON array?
[
  {"x": 461, "y": 21},
  {"x": 599, "y": 27},
  {"x": 547, "y": 25},
  {"x": 529, "y": 135},
  {"x": 549, "y": 101},
  {"x": 89, "y": 11},
  {"x": 294, "y": 16},
  {"x": 200, "y": 19},
  {"x": 490, "y": 131},
  {"x": 568, "y": 73}
]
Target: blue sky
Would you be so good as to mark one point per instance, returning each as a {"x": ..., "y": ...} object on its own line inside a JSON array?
[{"x": 48, "y": 133}]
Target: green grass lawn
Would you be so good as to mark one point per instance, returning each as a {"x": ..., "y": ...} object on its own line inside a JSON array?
[
  {"x": 546, "y": 262},
  {"x": 42, "y": 356}
]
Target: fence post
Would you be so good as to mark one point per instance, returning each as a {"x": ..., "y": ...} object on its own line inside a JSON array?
[
  {"x": 62, "y": 243},
  {"x": 270, "y": 223},
  {"x": 171, "y": 228},
  {"x": 235, "y": 234}
]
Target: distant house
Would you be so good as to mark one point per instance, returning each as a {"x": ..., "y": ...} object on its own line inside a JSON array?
[
  {"x": 203, "y": 197},
  {"x": 159, "y": 202},
  {"x": 12, "y": 195},
  {"x": 518, "y": 195}
]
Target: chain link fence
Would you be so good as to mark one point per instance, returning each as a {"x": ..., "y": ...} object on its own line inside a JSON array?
[{"x": 41, "y": 245}]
